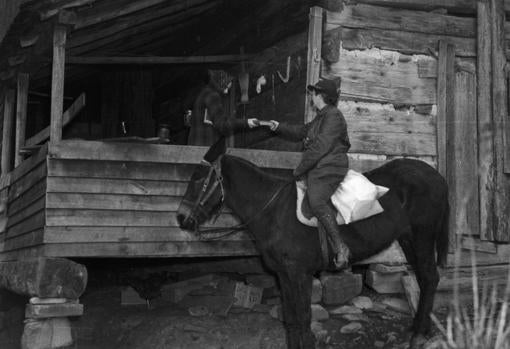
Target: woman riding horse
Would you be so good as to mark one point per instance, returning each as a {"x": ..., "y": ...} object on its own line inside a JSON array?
[{"x": 325, "y": 162}]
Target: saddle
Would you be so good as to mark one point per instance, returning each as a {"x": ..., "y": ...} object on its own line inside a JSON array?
[{"x": 356, "y": 198}]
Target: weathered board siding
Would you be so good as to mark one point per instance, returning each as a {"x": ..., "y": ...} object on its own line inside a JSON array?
[
  {"x": 381, "y": 129},
  {"x": 118, "y": 200},
  {"x": 23, "y": 194},
  {"x": 96, "y": 199},
  {"x": 381, "y": 76},
  {"x": 389, "y": 60}
]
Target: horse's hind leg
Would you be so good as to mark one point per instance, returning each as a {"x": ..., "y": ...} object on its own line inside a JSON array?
[
  {"x": 296, "y": 290},
  {"x": 420, "y": 252}
]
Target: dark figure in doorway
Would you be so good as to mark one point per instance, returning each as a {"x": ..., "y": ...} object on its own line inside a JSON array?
[
  {"x": 208, "y": 120},
  {"x": 324, "y": 163}
]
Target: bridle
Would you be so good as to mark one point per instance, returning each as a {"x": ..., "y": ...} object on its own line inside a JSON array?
[{"x": 206, "y": 193}]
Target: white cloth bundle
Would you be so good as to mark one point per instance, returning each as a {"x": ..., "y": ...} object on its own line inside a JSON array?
[{"x": 356, "y": 197}]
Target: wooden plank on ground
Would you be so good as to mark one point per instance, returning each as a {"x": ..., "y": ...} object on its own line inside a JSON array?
[
  {"x": 57, "y": 82},
  {"x": 378, "y": 17},
  {"x": 82, "y": 234},
  {"x": 65, "y": 217},
  {"x": 462, "y": 162},
  {"x": 313, "y": 61},
  {"x": 489, "y": 275},
  {"x": 68, "y": 116},
  {"x": 500, "y": 115},
  {"x": 8, "y": 122},
  {"x": 115, "y": 186},
  {"x": 472, "y": 243},
  {"x": 404, "y": 42},
  {"x": 153, "y": 249},
  {"x": 21, "y": 116},
  {"x": 485, "y": 122},
  {"x": 381, "y": 76},
  {"x": 482, "y": 258}
]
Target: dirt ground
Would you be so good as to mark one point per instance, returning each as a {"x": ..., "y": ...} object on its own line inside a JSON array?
[{"x": 106, "y": 325}]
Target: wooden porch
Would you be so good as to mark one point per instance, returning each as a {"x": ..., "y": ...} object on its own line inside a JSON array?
[{"x": 105, "y": 199}]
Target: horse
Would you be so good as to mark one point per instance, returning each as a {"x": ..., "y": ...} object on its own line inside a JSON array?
[{"x": 415, "y": 213}]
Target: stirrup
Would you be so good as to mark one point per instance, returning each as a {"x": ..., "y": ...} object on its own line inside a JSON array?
[{"x": 340, "y": 264}]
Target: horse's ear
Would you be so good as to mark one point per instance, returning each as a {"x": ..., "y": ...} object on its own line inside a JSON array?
[{"x": 217, "y": 149}]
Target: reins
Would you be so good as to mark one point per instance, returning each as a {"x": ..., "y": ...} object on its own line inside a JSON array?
[{"x": 229, "y": 230}]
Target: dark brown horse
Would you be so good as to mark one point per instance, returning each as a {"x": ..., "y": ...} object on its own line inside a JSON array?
[{"x": 416, "y": 214}]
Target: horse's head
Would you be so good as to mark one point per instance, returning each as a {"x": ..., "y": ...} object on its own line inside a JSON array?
[{"x": 205, "y": 193}]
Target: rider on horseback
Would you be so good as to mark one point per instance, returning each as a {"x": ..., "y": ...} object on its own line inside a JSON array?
[{"x": 324, "y": 163}]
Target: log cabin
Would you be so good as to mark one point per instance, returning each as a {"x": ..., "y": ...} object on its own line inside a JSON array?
[{"x": 86, "y": 84}]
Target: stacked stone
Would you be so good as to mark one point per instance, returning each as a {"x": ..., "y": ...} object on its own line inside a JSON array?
[{"x": 47, "y": 324}]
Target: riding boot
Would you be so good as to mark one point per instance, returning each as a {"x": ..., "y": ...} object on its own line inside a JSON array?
[{"x": 342, "y": 253}]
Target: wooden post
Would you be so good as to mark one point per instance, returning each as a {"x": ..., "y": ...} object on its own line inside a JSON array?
[
  {"x": 462, "y": 163},
  {"x": 485, "y": 121},
  {"x": 445, "y": 113},
  {"x": 57, "y": 82},
  {"x": 21, "y": 116},
  {"x": 500, "y": 115},
  {"x": 7, "y": 131},
  {"x": 313, "y": 67},
  {"x": 445, "y": 99}
]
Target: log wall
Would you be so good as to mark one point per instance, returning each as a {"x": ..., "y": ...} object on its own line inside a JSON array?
[{"x": 403, "y": 95}]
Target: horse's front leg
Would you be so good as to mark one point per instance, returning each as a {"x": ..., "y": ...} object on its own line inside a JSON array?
[{"x": 296, "y": 290}]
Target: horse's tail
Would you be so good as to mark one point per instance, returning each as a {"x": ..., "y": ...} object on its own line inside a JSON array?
[{"x": 442, "y": 236}]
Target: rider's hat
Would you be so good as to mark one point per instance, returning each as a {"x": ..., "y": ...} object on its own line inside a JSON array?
[{"x": 326, "y": 86}]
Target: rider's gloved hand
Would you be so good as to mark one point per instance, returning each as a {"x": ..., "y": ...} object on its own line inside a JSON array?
[
  {"x": 253, "y": 122},
  {"x": 274, "y": 125}
]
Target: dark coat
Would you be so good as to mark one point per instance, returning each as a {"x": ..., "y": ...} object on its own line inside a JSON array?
[
  {"x": 324, "y": 163},
  {"x": 326, "y": 143},
  {"x": 206, "y": 129}
]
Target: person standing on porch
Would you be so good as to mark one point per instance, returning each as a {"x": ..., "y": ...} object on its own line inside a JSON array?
[
  {"x": 324, "y": 162},
  {"x": 208, "y": 121}
]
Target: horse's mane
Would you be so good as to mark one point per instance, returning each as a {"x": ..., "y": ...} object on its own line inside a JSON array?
[{"x": 261, "y": 171}]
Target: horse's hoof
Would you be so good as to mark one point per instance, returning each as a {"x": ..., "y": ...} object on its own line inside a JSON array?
[{"x": 417, "y": 341}]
